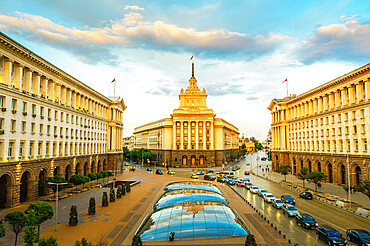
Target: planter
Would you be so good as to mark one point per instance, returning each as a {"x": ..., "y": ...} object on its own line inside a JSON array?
[
  {"x": 363, "y": 212},
  {"x": 346, "y": 205}
]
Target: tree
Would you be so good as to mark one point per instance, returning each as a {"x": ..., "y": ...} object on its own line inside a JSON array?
[
  {"x": 84, "y": 180},
  {"x": 364, "y": 187},
  {"x": 17, "y": 220},
  {"x": 302, "y": 175},
  {"x": 104, "y": 174},
  {"x": 55, "y": 179},
  {"x": 76, "y": 179},
  {"x": 92, "y": 176},
  {"x": 128, "y": 187},
  {"x": 99, "y": 176},
  {"x": 105, "y": 199},
  {"x": 73, "y": 216},
  {"x": 316, "y": 177},
  {"x": 50, "y": 241},
  {"x": 112, "y": 195},
  {"x": 284, "y": 170},
  {"x": 136, "y": 241},
  {"x": 2, "y": 230},
  {"x": 83, "y": 242},
  {"x": 257, "y": 144},
  {"x": 119, "y": 191},
  {"x": 126, "y": 152},
  {"x": 42, "y": 211},
  {"x": 92, "y": 206},
  {"x": 30, "y": 235},
  {"x": 250, "y": 240},
  {"x": 269, "y": 155}
]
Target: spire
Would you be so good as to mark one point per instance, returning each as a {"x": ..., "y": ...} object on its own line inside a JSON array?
[{"x": 192, "y": 70}]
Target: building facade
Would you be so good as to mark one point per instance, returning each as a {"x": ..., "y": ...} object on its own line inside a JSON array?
[
  {"x": 50, "y": 124},
  {"x": 326, "y": 129},
  {"x": 192, "y": 136}
]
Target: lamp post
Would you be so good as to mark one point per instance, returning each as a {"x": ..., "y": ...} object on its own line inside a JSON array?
[
  {"x": 56, "y": 204},
  {"x": 349, "y": 181},
  {"x": 257, "y": 162}
]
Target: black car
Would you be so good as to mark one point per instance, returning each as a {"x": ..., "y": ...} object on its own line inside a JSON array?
[
  {"x": 329, "y": 235},
  {"x": 158, "y": 171},
  {"x": 263, "y": 159},
  {"x": 149, "y": 169},
  {"x": 287, "y": 199},
  {"x": 306, "y": 195},
  {"x": 306, "y": 221},
  {"x": 358, "y": 236}
]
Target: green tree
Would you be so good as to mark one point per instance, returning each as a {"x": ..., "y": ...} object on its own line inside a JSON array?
[
  {"x": 316, "y": 177},
  {"x": 83, "y": 242},
  {"x": 128, "y": 187},
  {"x": 76, "y": 179},
  {"x": 50, "y": 241},
  {"x": 2, "y": 230},
  {"x": 105, "y": 199},
  {"x": 364, "y": 187},
  {"x": 104, "y": 174},
  {"x": 73, "y": 216},
  {"x": 257, "y": 144},
  {"x": 55, "y": 179},
  {"x": 269, "y": 155},
  {"x": 30, "y": 236},
  {"x": 284, "y": 170},
  {"x": 99, "y": 176},
  {"x": 17, "y": 220},
  {"x": 136, "y": 241},
  {"x": 302, "y": 175},
  {"x": 250, "y": 240},
  {"x": 92, "y": 205},
  {"x": 126, "y": 152},
  {"x": 84, "y": 180},
  {"x": 92, "y": 176},
  {"x": 119, "y": 191},
  {"x": 42, "y": 211}
]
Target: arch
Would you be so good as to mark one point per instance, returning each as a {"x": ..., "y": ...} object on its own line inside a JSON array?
[
  {"x": 193, "y": 160},
  {"x": 330, "y": 172},
  {"x": 93, "y": 167},
  {"x": 78, "y": 169},
  {"x": 99, "y": 167},
  {"x": 342, "y": 174},
  {"x": 357, "y": 178},
  {"x": 294, "y": 166},
  {"x": 25, "y": 191},
  {"x": 310, "y": 166},
  {"x": 319, "y": 166},
  {"x": 184, "y": 160},
  {"x": 86, "y": 169},
  {"x": 6, "y": 184},
  {"x": 201, "y": 160},
  {"x": 57, "y": 171},
  {"x": 67, "y": 172},
  {"x": 42, "y": 177}
]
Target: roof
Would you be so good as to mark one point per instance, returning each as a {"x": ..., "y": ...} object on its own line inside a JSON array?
[{"x": 193, "y": 185}]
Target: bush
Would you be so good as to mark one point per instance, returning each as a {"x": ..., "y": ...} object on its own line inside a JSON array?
[
  {"x": 136, "y": 241},
  {"x": 250, "y": 240},
  {"x": 2, "y": 230},
  {"x": 119, "y": 191},
  {"x": 128, "y": 187},
  {"x": 123, "y": 190},
  {"x": 92, "y": 206},
  {"x": 105, "y": 199},
  {"x": 30, "y": 235},
  {"x": 73, "y": 219},
  {"x": 112, "y": 195},
  {"x": 50, "y": 241},
  {"x": 83, "y": 242}
]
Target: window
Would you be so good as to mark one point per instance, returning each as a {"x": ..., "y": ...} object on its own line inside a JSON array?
[
  {"x": 327, "y": 120},
  {"x": 346, "y": 116},
  {"x": 21, "y": 149},
  {"x": 47, "y": 148},
  {"x": 72, "y": 119},
  {"x": 24, "y": 109},
  {"x": 49, "y": 113},
  {"x": 362, "y": 113},
  {"x": 354, "y": 129},
  {"x": 339, "y": 117},
  {"x": 41, "y": 128},
  {"x": 10, "y": 149},
  {"x": 55, "y": 130},
  {"x": 48, "y": 129},
  {"x": 353, "y": 115},
  {"x": 41, "y": 111},
  {"x": 14, "y": 104},
  {"x": 32, "y": 127},
  {"x": 347, "y": 130},
  {"x": 348, "y": 145},
  {"x": 365, "y": 145},
  {"x": 33, "y": 109},
  {"x": 341, "y": 145},
  {"x": 61, "y": 116},
  {"x": 333, "y": 131},
  {"x": 363, "y": 129},
  {"x": 12, "y": 125},
  {"x": 2, "y": 102},
  {"x": 39, "y": 149},
  {"x": 328, "y": 145},
  {"x": 340, "y": 131},
  {"x": 332, "y": 119},
  {"x": 30, "y": 150},
  {"x": 54, "y": 148},
  {"x": 67, "y": 118},
  {"x": 323, "y": 146},
  {"x": 23, "y": 126},
  {"x": 356, "y": 145}
]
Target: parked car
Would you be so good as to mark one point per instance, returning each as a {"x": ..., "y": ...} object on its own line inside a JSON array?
[
  {"x": 209, "y": 177},
  {"x": 358, "y": 236},
  {"x": 231, "y": 182},
  {"x": 247, "y": 163},
  {"x": 149, "y": 169},
  {"x": 329, "y": 235},
  {"x": 170, "y": 172},
  {"x": 158, "y": 171},
  {"x": 254, "y": 189},
  {"x": 277, "y": 203},
  {"x": 247, "y": 172},
  {"x": 288, "y": 199},
  {"x": 200, "y": 173},
  {"x": 234, "y": 169},
  {"x": 306, "y": 221},
  {"x": 290, "y": 210},
  {"x": 248, "y": 185},
  {"x": 268, "y": 197},
  {"x": 261, "y": 191},
  {"x": 306, "y": 195},
  {"x": 194, "y": 176}
]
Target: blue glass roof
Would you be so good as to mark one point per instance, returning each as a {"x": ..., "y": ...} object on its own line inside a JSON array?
[
  {"x": 182, "y": 186},
  {"x": 192, "y": 220}
]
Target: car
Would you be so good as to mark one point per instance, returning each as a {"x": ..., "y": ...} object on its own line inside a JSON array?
[
  {"x": 247, "y": 163},
  {"x": 234, "y": 169},
  {"x": 358, "y": 236},
  {"x": 245, "y": 180},
  {"x": 158, "y": 171},
  {"x": 210, "y": 172},
  {"x": 194, "y": 176},
  {"x": 127, "y": 164},
  {"x": 254, "y": 189},
  {"x": 132, "y": 169},
  {"x": 306, "y": 195},
  {"x": 200, "y": 173},
  {"x": 288, "y": 199},
  {"x": 231, "y": 182},
  {"x": 277, "y": 203},
  {"x": 306, "y": 221},
  {"x": 247, "y": 172},
  {"x": 248, "y": 185},
  {"x": 329, "y": 235},
  {"x": 149, "y": 169},
  {"x": 261, "y": 192},
  {"x": 263, "y": 159},
  {"x": 209, "y": 177},
  {"x": 170, "y": 172},
  {"x": 237, "y": 167},
  {"x": 240, "y": 183},
  {"x": 268, "y": 197},
  {"x": 220, "y": 179},
  {"x": 219, "y": 172},
  {"x": 290, "y": 210}
]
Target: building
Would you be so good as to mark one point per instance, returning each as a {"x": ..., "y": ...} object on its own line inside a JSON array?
[
  {"x": 247, "y": 144},
  {"x": 324, "y": 128},
  {"x": 50, "y": 124},
  {"x": 192, "y": 136},
  {"x": 129, "y": 143}
]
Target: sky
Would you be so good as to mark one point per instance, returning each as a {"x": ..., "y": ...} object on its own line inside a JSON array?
[{"x": 243, "y": 50}]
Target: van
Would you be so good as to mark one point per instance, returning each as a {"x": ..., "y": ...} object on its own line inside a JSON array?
[{"x": 229, "y": 173}]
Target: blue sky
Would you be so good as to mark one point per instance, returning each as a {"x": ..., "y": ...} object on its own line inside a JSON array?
[{"x": 243, "y": 49}]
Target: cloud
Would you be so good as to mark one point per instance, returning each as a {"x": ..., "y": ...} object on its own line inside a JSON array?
[
  {"x": 133, "y": 32},
  {"x": 223, "y": 89},
  {"x": 346, "y": 41},
  {"x": 133, "y": 7},
  {"x": 252, "y": 98}
]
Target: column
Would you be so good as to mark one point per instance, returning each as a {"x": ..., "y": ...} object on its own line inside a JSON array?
[
  {"x": 37, "y": 84},
  {"x": 212, "y": 133},
  {"x": 18, "y": 76},
  {"x": 344, "y": 96},
  {"x": 338, "y": 102},
  {"x": 189, "y": 134},
  {"x": 204, "y": 135},
  {"x": 7, "y": 72},
  {"x": 181, "y": 135},
  {"x": 360, "y": 92},
  {"x": 351, "y": 94},
  {"x": 283, "y": 138},
  {"x": 196, "y": 135},
  {"x": 174, "y": 135},
  {"x": 68, "y": 97},
  {"x": 331, "y": 95},
  {"x": 46, "y": 87},
  {"x": 367, "y": 85}
]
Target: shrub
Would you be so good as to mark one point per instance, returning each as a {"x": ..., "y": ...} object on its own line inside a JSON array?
[
  {"x": 73, "y": 219},
  {"x": 119, "y": 191},
  {"x": 50, "y": 241},
  {"x": 2, "y": 230},
  {"x": 112, "y": 195},
  {"x": 30, "y": 235},
  {"x": 105, "y": 199},
  {"x": 83, "y": 242},
  {"x": 250, "y": 240},
  {"x": 128, "y": 187},
  {"x": 136, "y": 241},
  {"x": 92, "y": 206}
]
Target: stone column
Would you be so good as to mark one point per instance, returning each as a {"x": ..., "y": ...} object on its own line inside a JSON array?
[
  {"x": 182, "y": 135},
  {"x": 18, "y": 77},
  {"x": 331, "y": 95},
  {"x": 338, "y": 102},
  {"x": 37, "y": 84},
  {"x": 7, "y": 78},
  {"x": 174, "y": 135},
  {"x": 204, "y": 135},
  {"x": 351, "y": 95},
  {"x": 367, "y": 88},
  {"x": 212, "y": 133},
  {"x": 189, "y": 134},
  {"x": 360, "y": 92},
  {"x": 46, "y": 87},
  {"x": 196, "y": 135}
]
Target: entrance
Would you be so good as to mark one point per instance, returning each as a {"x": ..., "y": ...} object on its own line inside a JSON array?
[
  {"x": 26, "y": 187},
  {"x": 193, "y": 160},
  {"x": 5, "y": 192},
  {"x": 201, "y": 160},
  {"x": 330, "y": 172},
  {"x": 184, "y": 160}
]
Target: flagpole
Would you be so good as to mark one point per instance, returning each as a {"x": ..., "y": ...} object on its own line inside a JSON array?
[
  {"x": 114, "y": 90},
  {"x": 287, "y": 94}
]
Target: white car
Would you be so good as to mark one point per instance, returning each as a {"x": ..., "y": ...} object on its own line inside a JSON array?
[
  {"x": 278, "y": 203},
  {"x": 268, "y": 197},
  {"x": 290, "y": 210},
  {"x": 254, "y": 189},
  {"x": 248, "y": 185},
  {"x": 261, "y": 192}
]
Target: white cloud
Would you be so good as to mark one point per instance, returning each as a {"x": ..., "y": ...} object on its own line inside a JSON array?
[{"x": 133, "y": 7}]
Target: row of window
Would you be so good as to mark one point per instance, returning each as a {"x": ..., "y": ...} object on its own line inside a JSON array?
[
  {"x": 355, "y": 130},
  {"x": 330, "y": 145}
]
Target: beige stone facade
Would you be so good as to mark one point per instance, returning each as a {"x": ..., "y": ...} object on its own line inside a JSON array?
[
  {"x": 326, "y": 128},
  {"x": 192, "y": 136},
  {"x": 50, "y": 124}
]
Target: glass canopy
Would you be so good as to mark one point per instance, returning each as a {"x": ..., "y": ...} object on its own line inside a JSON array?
[{"x": 182, "y": 186}]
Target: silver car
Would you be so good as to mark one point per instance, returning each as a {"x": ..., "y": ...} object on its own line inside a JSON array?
[
  {"x": 254, "y": 189},
  {"x": 290, "y": 210},
  {"x": 261, "y": 192},
  {"x": 248, "y": 185},
  {"x": 268, "y": 197},
  {"x": 277, "y": 203}
]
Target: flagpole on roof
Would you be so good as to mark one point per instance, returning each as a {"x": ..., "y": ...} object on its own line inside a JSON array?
[{"x": 287, "y": 94}]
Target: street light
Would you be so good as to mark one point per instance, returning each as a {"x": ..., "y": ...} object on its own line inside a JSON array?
[
  {"x": 349, "y": 181},
  {"x": 56, "y": 204}
]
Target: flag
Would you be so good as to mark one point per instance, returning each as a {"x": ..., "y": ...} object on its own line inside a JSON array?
[
  {"x": 191, "y": 58},
  {"x": 286, "y": 80},
  {"x": 113, "y": 80}
]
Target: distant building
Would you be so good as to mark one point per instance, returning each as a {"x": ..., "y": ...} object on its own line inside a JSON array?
[
  {"x": 50, "y": 124},
  {"x": 193, "y": 136},
  {"x": 247, "y": 144},
  {"x": 325, "y": 128},
  {"x": 129, "y": 143}
]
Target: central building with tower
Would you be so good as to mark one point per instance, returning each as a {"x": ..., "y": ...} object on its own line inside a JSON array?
[{"x": 193, "y": 136}]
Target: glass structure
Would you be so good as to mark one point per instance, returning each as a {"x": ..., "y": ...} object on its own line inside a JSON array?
[{"x": 180, "y": 186}]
